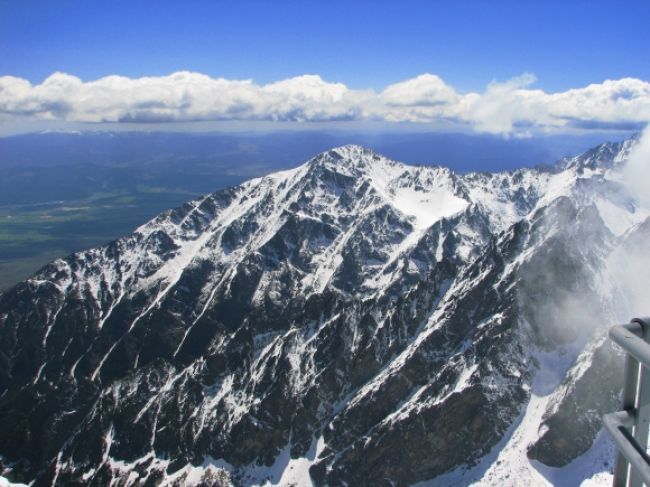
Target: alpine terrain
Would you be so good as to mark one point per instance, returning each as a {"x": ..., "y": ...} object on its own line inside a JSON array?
[{"x": 353, "y": 321}]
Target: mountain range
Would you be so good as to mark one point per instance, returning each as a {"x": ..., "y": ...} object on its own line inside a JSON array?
[{"x": 352, "y": 321}]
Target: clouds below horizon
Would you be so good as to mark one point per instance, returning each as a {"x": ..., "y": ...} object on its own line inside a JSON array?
[{"x": 510, "y": 108}]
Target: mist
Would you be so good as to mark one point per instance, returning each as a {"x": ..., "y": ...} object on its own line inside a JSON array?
[
  {"x": 636, "y": 173},
  {"x": 593, "y": 272},
  {"x": 629, "y": 264}
]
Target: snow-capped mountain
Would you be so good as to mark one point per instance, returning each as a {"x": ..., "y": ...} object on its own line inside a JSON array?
[{"x": 353, "y": 321}]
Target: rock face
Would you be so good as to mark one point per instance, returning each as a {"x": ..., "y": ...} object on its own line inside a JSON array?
[{"x": 354, "y": 320}]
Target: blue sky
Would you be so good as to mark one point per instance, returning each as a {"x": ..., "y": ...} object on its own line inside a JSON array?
[
  {"x": 487, "y": 66},
  {"x": 362, "y": 44}
]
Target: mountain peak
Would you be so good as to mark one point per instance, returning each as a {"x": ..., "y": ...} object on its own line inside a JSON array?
[
  {"x": 352, "y": 150},
  {"x": 355, "y": 161},
  {"x": 604, "y": 156},
  {"x": 350, "y": 154}
]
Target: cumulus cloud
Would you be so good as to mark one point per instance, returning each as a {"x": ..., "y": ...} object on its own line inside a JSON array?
[
  {"x": 510, "y": 107},
  {"x": 504, "y": 105},
  {"x": 422, "y": 91}
]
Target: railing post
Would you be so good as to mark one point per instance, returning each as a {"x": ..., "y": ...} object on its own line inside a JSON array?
[
  {"x": 629, "y": 404},
  {"x": 629, "y": 428},
  {"x": 642, "y": 408}
]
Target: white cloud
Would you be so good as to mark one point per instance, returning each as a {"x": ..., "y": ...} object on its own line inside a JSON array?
[
  {"x": 503, "y": 105},
  {"x": 424, "y": 90},
  {"x": 510, "y": 107},
  {"x": 636, "y": 173}
]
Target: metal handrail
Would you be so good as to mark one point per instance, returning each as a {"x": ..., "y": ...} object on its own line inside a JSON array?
[{"x": 629, "y": 427}]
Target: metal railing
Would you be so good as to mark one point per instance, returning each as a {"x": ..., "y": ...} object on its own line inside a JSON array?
[{"x": 629, "y": 427}]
